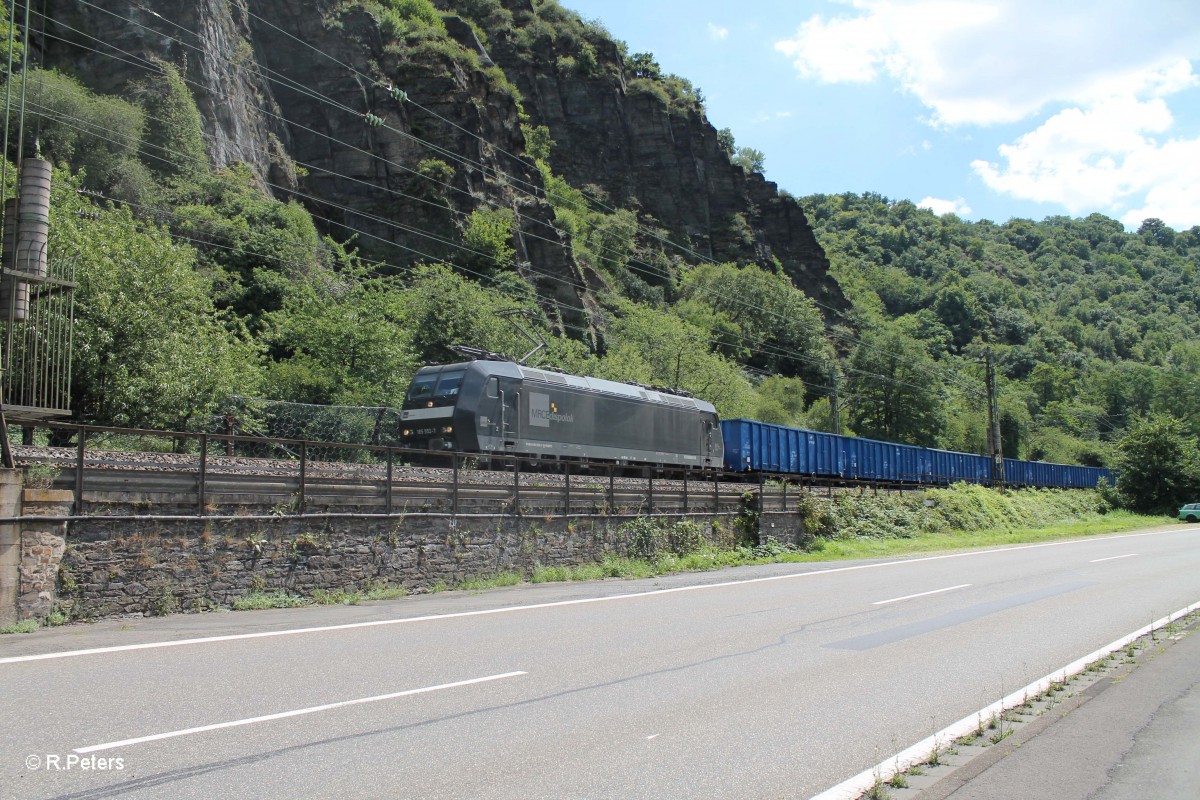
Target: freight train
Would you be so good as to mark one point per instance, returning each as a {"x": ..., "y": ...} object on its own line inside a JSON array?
[
  {"x": 504, "y": 408},
  {"x": 778, "y": 450}
]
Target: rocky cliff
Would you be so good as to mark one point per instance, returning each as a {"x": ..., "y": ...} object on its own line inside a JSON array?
[
  {"x": 286, "y": 86},
  {"x": 653, "y": 151}
]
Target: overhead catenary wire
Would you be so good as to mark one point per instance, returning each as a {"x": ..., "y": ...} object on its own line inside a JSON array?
[
  {"x": 752, "y": 345},
  {"x": 749, "y": 343},
  {"x": 649, "y": 232},
  {"x": 288, "y": 83}
]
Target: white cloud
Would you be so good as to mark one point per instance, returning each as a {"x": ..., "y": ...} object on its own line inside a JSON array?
[
  {"x": 717, "y": 32},
  {"x": 993, "y": 61},
  {"x": 1104, "y": 71},
  {"x": 1108, "y": 157},
  {"x": 771, "y": 116},
  {"x": 937, "y": 205}
]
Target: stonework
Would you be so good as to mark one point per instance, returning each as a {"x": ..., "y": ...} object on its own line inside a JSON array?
[
  {"x": 43, "y": 545},
  {"x": 120, "y": 567},
  {"x": 11, "y": 482}
]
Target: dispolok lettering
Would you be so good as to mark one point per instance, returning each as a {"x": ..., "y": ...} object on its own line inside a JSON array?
[{"x": 542, "y": 411}]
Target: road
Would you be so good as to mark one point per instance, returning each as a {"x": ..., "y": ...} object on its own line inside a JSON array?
[{"x": 772, "y": 681}]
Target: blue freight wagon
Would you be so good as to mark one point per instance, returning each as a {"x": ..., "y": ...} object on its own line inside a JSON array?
[
  {"x": 1066, "y": 476},
  {"x": 752, "y": 446}
]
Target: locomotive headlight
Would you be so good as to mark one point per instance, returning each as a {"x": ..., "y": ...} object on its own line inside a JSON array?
[
  {"x": 406, "y": 432},
  {"x": 448, "y": 429},
  {"x": 429, "y": 404}
]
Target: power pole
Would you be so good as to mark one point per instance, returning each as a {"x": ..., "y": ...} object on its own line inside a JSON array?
[
  {"x": 994, "y": 444},
  {"x": 835, "y": 407}
]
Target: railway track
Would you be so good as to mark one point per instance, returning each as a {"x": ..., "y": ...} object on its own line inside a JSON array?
[{"x": 116, "y": 482}]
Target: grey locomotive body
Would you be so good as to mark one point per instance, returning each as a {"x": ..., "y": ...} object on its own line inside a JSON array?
[{"x": 505, "y": 408}]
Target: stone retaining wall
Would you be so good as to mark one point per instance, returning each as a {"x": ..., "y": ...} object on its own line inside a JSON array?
[
  {"x": 114, "y": 568},
  {"x": 101, "y": 567}
]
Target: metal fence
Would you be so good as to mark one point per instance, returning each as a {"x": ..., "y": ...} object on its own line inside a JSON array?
[{"x": 121, "y": 471}]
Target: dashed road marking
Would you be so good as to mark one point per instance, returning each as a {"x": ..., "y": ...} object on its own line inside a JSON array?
[
  {"x": 920, "y": 594},
  {"x": 294, "y": 713}
]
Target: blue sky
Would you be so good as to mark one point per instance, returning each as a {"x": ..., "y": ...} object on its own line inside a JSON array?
[{"x": 989, "y": 108}]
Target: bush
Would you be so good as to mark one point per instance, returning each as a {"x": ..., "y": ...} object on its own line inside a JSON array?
[
  {"x": 1158, "y": 466},
  {"x": 650, "y": 539},
  {"x": 962, "y": 507}
]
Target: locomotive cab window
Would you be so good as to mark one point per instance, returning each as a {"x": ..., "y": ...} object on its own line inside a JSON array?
[
  {"x": 422, "y": 386},
  {"x": 493, "y": 387},
  {"x": 447, "y": 385}
]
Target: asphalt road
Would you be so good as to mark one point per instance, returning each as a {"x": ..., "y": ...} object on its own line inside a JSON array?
[{"x": 775, "y": 681}]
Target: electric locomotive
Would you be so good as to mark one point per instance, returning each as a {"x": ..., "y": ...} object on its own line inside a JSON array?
[{"x": 502, "y": 407}]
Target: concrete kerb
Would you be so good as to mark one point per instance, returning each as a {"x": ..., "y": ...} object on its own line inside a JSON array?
[{"x": 919, "y": 753}]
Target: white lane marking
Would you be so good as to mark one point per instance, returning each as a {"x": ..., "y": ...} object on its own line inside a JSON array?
[
  {"x": 554, "y": 604},
  {"x": 296, "y": 713},
  {"x": 1112, "y": 558},
  {"x": 853, "y": 788},
  {"x": 920, "y": 594},
  {"x": 652, "y": 736}
]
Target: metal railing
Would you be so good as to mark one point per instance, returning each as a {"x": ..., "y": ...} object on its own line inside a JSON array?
[{"x": 126, "y": 472}]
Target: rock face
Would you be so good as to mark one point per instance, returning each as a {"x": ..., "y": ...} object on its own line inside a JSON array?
[
  {"x": 286, "y": 84},
  {"x": 109, "y": 43},
  {"x": 613, "y": 131}
]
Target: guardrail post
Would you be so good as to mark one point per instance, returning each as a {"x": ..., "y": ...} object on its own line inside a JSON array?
[
  {"x": 650, "y": 493},
  {"x": 303, "y": 474},
  {"x": 612, "y": 492},
  {"x": 387, "y": 502},
  {"x": 685, "y": 491},
  {"x": 81, "y": 447},
  {"x": 517, "y": 485},
  {"x": 200, "y": 490},
  {"x": 716, "y": 494},
  {"x": 567, "y": 489},
  {"x": 454, "y": 484}
]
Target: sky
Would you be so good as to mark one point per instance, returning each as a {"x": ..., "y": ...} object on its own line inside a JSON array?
[{"x": 989, "y": 109}]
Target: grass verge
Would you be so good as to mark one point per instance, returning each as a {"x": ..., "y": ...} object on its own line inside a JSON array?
[
  {"x": 710, "y": 558},
  {"x": 24, "y": 626},
  {"x": 862, "y": 547}
]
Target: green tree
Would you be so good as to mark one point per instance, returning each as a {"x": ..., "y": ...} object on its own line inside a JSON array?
[
  {"x": 726, "y": 141},
  {"x": 761, "y": 317},
  {"x": 643, "y": 65},
  {"x": 1159, "y": 465},
  {"x": 339, "y": 340},
  {"x": 961, "y": 312},
  {"x": 895, "y": 391},
  {"x": 749, "y": 159},
  {"x": 172, "y": 124},
  {"x": 442, "y": 309},
  {"x": 255, "y": 244},
  {"x": 781, "y": 401},
  {"x": 1177, "y": 390},
  {"x": 150, "y": 350},
  {"x": 655, "y": 347},
  {"x": 488, "y": 232},
  {"x": 97, "y": 135}
]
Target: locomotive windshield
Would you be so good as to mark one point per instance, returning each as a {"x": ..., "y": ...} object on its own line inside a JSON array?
[
  {"x": 422, "y": 387},
  {"x": 448, "y": 383},
  {"x": 434, "y": 387}
]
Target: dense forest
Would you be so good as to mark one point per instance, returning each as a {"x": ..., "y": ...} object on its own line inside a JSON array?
[{"x": 204, "y": 283}]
